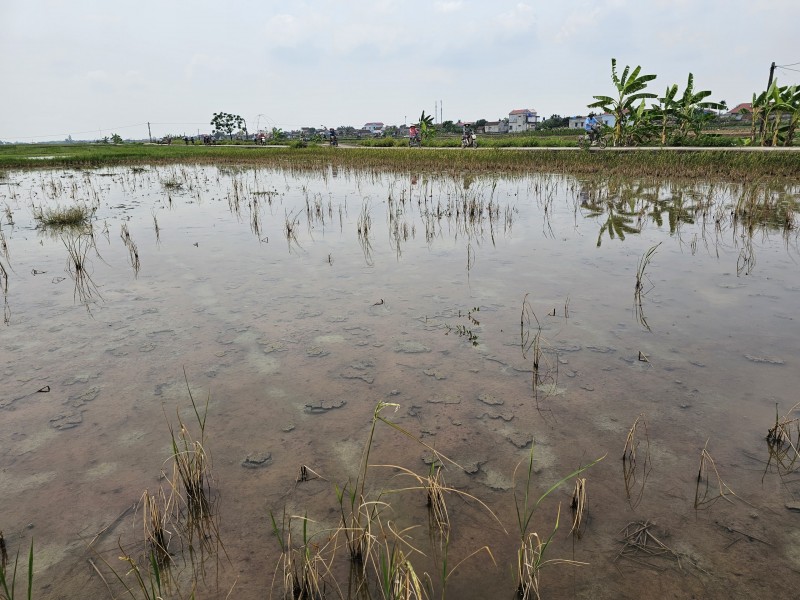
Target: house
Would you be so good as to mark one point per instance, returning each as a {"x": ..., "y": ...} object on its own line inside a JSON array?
[
  {"x": 495, "y": 127},
  {"x": 373, "y": 128},
  {"x": 740, "y": 111},
  {"x": 522, "y": 119},
  {"x": 576, "y": 122},
  {"x": 606, "y": 119}
]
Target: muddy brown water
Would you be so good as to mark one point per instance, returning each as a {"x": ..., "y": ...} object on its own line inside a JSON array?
[{"x": 386, "y": 291}]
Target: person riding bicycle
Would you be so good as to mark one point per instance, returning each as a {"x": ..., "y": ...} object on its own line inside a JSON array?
[
  {"x": 413, "y": 134},
  {"x": 592, "y": 127}
]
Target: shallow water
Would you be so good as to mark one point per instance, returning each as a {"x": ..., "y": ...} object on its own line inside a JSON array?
[{"x": 294, "y": 337}]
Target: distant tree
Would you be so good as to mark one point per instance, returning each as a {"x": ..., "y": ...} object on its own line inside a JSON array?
[
  {"x": 226, "y": 123},
  {"x": 116, "y": 138},
  {"x": 554, "y": 122},
  {"x": 69, "y": 139},
  {"x": 450, "y": 127},
  {"x": 480, "y": 123},
  {"x": 277, "y": 133}
]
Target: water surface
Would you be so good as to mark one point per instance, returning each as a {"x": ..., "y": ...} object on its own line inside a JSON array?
[{"x": 295, "y": 302}]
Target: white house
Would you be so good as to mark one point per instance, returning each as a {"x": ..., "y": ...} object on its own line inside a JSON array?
[
  {"x": 522, "y": 119},
  {"x": 578, "y": 122},
  {"x": 495, "y": 127},
  {"x": 373, "y": 128}
]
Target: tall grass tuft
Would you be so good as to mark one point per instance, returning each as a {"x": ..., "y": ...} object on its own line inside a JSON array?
[
  {"x": 191, "y": 482},
  {"x": 533, "y": 548},
  {"x": 73, "y": 216}
]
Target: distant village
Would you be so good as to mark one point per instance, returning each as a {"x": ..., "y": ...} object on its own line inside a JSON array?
[{"x": 518, "y": 121}]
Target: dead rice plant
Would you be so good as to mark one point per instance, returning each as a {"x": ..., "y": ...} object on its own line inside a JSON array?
[
  {"x": 579, "y": 507},
  {"x": 195, "y": 505},
  {"x": 397, "y": 578},
  {"x": 531, "y": 562},
  {"x": 635, "y": 467},
  {"x": 710, "y": 486},
  {"x": 78, "y": 246},
  {"x": 156, "y": 512},
  {"x": 640, "y": 545},
  {"x": 783, "y": 441}
]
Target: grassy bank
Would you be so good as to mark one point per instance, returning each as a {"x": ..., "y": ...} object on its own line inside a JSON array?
[{"x": 705, "y": 164}]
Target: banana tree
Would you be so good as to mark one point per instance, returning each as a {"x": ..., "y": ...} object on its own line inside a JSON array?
[
  {"x": 791, "y": 99},
  {"x": 629, "y": 91},
  {"x": 692, "y": 109},
  {"x": 426, "y": 127},
  {"x": 776, "y": 115},
  {"x": 663, "y": 113}
]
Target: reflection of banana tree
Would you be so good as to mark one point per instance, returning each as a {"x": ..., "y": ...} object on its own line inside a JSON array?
[
  {"x": 619, "y": 220},
  {"x": 677, "y": 212}
]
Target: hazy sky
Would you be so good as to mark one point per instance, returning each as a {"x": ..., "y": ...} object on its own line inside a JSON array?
[{"x": 90, "y": 68}]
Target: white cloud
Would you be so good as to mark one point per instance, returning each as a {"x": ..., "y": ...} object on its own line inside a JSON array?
[
  {"x": 517, "y": 20},
  {"x": 448, "y": 6}
]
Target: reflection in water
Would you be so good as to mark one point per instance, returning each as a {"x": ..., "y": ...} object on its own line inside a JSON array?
[
  {"x": 364, "y": 229},
  {"x": 636, "y": 464},
  {"x": 710, "y": 486},
  {"x": 639, "y": 288},
  {"x": 274, "y": 331},
  {"x": 133, "y": 250}
]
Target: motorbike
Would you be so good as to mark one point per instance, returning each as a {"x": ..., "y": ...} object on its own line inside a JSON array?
[
  {"x": 469, "y": 140},
  {"x": 414, "y": 142},
  {"x": 334, "y": 141}
]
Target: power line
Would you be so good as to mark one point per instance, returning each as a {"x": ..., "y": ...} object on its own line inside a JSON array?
[{"x": 789, "y": 65}]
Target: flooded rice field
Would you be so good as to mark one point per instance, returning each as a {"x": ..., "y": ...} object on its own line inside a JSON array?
[{"x": 498, "y": 319}]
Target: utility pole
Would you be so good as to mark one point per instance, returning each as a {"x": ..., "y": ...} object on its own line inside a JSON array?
[
  {"x": 149, "y": 135},
  {"x": 763, "y": 115}
]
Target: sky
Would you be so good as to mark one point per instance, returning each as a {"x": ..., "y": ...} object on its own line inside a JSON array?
[{"x": 92, "y": 68}]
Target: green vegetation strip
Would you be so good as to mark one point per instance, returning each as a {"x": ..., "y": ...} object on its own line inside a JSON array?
[{"x": 702, "y": 164}]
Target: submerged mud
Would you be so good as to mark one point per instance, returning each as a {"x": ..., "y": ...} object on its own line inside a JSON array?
[{"x": 497, "y": 316}]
